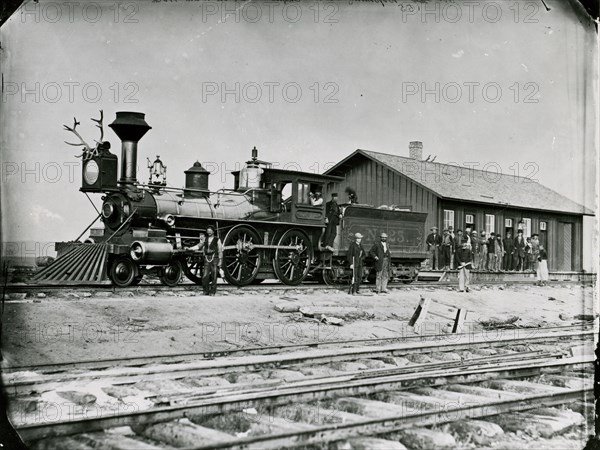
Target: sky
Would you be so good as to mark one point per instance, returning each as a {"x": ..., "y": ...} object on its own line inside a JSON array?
[{"x": 497, "y": 82}]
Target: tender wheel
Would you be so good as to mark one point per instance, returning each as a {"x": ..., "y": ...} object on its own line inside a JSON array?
[
  {"x": 123, "y": 272},
  {"x": 242, "y": 260},
  {"x": 292, "y": 265},
  {"x": 171, "y": 274},
  {"x": 329, "y": 277},
  {"x": 194, "y": 268}
]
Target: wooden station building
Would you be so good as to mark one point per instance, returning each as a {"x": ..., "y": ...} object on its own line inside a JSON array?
[{"x": 455, "y": 196}]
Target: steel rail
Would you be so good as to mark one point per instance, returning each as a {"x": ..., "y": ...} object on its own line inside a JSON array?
[
  {"x": 107, "y": 286},
  {"x": 45, "y": 383},
  {"x": 301, "y": 392},
  {"x": 583, "y": 328},
  {"x": 375, "y": 426},
  {"x": 429, "y": 343},
  {"x": 16, "y": 385}
]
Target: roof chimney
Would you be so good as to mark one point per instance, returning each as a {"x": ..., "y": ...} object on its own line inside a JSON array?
[{"x": 416, "y": 150}]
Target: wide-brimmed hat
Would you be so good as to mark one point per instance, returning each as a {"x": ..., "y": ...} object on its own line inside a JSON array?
[
  {"x": 434, "y": 228},
  {"x": 358, "y": 236},
  {"x": 383, "y": 235}
]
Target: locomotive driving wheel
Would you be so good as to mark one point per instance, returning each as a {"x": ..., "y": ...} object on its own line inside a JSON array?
[
  {"x": 124, "y": 272},
  {"x": 171, "y": 274},
  {"x": 292, "y": 264},
  {"x": 242, "y": 260}
]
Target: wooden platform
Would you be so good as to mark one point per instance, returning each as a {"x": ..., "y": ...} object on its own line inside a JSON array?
[{"x": 482, "y": 277}]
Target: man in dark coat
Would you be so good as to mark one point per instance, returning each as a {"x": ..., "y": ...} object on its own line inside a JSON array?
[
  {"x": 380, "y": 252},
  {"x": 509, "y": 249},
  {"x": 491, "y": 253},
  {"x": 446, "y": 253},
  {"x": 213, "y": 256},
  {"x": 352, "y": 197},
  {"x": 356, "y": 256},
  {"x": 434, "y": 241},
  {"x": 332, "y": 219},
  {"x": 457, "y": 245},
  {"x": 519, "y": 251},
  {"x": 463, "y": 258}
]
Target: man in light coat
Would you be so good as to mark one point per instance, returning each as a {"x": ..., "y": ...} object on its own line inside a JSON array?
[{"x": 380, "y": 252}]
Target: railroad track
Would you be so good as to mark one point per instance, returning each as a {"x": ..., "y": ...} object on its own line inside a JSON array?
[
  {"x": 302, "y": 397},
  {"x": 144, "y": 289}
]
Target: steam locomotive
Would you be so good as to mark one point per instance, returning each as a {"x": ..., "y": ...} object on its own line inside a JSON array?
[{"x": 268, "y": 225}]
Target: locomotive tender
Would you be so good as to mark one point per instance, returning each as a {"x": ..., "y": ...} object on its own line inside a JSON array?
[{"x": 267, "y": 223}]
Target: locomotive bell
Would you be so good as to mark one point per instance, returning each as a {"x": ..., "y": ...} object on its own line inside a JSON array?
[
  {"x": 130, "y": 127},
  {"x": 196, "y": 179}
]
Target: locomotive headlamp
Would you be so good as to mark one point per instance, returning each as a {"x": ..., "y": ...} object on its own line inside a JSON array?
[{"x": 91, "y": 172}]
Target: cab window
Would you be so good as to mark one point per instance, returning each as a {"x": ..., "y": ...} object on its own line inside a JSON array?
[{"x": 303, "y": 193}]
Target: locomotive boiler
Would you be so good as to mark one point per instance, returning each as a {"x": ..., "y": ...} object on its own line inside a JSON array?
[{"x": 267, "y": 222}]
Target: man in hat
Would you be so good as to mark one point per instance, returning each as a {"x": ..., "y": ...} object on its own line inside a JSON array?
[
  {"x": 380, "y": 252},
  {"x": 332, "y": 219},
  {"x": 356, "y": 256},
  {"x": 535, "y": 251},
  {"x": 434, "y": 241},
  {"x": 519, "y": 252},
  {"x": 509, "y": 250},
  {"x": 213, "y": 256},
  {"x": 352, "y": 197},
  {"x": 464, "y": 262},
  {"x": 457, "y": 244},
  {"x": 316, "y": 199},
  {"x": 446, "y": 253},
  {"x": 452, "y": 260},
  {"x": 475, "y": 250}
]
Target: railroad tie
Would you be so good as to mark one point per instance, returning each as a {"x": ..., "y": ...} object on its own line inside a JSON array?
[{"x": 456, "y": 316}]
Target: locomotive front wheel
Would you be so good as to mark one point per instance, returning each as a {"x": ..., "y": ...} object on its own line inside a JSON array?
[
  {"x": 242, "y": 261},
  {"x": 194, "y": 268},
  {"x": 171, "y": 274},
  {"x": 123, "y": 272},
  {"x": 291, "y": 265}
]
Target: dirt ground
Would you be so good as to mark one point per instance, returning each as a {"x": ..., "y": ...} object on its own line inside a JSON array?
[{"x": 100, "y": 326}]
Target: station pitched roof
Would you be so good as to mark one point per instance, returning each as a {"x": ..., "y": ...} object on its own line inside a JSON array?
[{"x": 449, "y": 181}]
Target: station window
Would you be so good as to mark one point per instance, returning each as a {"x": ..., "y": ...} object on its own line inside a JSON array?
[
  {"x": 543, "y": 226},
  {"x": 469, "y": 219},
  {"x": 508, "y": 223},
  {"x": 448, "y": 218},
  {"x": 526, "y": 227},
  {"x": 490, "y": 224}
]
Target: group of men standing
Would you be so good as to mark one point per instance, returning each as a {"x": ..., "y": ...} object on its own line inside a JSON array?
[
  {"x": 493, "y": 253},
  {"x": 380, "y": 252}
]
